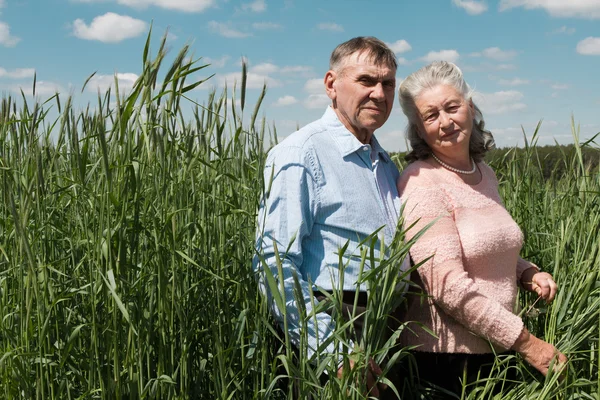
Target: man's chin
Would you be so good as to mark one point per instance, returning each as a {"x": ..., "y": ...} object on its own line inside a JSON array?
[{"x": 374, "y": 125}]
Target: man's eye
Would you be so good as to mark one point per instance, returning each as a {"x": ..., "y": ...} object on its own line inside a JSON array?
[{"x": 453, "y": 109}]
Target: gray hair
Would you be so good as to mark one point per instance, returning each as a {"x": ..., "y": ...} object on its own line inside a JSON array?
[
  {"x": 428, "y": 77},
  {"x": 376, "y": 50}
]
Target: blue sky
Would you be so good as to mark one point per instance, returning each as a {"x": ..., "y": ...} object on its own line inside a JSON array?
[{"x": 528, "y": 60}]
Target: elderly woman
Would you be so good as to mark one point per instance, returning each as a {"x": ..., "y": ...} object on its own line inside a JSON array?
[{"x": 470, "y": 255}]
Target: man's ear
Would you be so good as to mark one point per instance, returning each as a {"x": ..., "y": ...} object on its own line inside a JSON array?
[{"x": 329, "y": 81}]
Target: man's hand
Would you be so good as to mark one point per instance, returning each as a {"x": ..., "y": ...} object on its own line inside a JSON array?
[
  {"x": 540, "y": 354},
  {"x": 541, "y": 283},
  {"x": 373, "y": 371}
]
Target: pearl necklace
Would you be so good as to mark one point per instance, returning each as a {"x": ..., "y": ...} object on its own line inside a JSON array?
[{"x": 458, "y": 171}]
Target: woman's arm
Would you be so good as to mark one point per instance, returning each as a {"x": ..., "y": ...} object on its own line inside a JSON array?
[
  {"x": 443, "y": 274},
  {"x": 538, "y": 353}
]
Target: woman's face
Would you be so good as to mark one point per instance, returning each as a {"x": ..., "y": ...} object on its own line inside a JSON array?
[{"x": 446, "y": 119}]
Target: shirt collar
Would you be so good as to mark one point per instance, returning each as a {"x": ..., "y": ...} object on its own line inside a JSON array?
[{"x": 346, "y": 142}]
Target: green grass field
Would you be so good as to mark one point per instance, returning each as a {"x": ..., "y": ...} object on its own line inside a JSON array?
[{"x": 127, "y": 234}]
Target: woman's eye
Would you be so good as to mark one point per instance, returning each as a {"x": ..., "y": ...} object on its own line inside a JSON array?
[{"x": 430, "y": 117}]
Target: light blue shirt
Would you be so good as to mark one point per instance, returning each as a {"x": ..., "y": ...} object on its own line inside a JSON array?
[{"x": 327, "y": 189}]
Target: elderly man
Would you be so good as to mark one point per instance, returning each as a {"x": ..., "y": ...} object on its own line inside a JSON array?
[{"x": 332, "y": 184}]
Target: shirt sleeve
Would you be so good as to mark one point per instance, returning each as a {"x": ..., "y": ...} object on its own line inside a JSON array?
[
  {"x": 442, "y": 272},
  {"x": 286, "y": 218}
]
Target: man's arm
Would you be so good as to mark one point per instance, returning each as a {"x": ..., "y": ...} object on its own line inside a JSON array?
[{"x": 286, "y": 218}]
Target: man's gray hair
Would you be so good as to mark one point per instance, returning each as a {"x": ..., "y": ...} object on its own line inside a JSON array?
[
  {"x": 376, "y": 50},
  {"x": 432, "y": 75}
]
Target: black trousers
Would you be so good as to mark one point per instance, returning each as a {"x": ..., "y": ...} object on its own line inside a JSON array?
[{"x": 448, "y": 371}]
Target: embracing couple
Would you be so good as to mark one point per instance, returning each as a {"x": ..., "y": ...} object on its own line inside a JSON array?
[{"x": 331, "y": 184}]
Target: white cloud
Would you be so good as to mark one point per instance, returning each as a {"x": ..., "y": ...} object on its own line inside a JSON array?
[
  {"x": 255, "y": 6},
  {"x": 317, "y": 101},
  {"x": 42, "y": 88},
  {"x": 471, "y": 7},
  {"x": 315, "y": 86},
  {"x": 564, "y": 29},
  {"x": 513, "y": 82},
  {"x": 19, "y": 73},
  {"x": 268, "y": 68},
  {"x": 392, "y": 140},
  {"x": 302, "y": 70},
  {"x": 215, "y": 62},
  {"x": 264, "y": 68},
  {"x": 589, "y": 9},
  {"x": 266, "y": 26},
  {"x": 400, "y": 46},
  {"x": 286, "y": 125},
  {"x": 589, "y": 46},
  {"x": 177, "y": 5},
  {"x": 226, "y": 31},
  {"x": 330, "y": 26},
  {"x": 237, "y": 103},
  {"x": 253, "y": 80},
  {"x": 445, "y": 55},
  {"x": 285, "y": 101},
  {"x": 511, "y": 136},
  {"x": 6, "y": 39},
  {"x": 101, "y": 83},
  {"x": 171, "y": 37},
  {"x": 500, "y": 102},
  {"x": 560, "y": 86},
  {"x": 496, "y": 54},
  {"x": 109, "y": 28}
]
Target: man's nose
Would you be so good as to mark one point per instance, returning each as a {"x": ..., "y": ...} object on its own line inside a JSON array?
[{"x": 378, "y": 92}]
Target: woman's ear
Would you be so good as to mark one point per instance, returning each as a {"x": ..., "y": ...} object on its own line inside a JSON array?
[{"x": 472, "y": 107}]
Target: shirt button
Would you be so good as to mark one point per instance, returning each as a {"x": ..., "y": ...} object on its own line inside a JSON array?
[{"x": 365, "y": 148}]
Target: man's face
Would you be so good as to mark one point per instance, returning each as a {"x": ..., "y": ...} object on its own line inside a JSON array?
[{"x": 362, "y": 94}]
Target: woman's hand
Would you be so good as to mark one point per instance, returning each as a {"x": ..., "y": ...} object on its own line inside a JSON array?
[
  {"x": 541, "y": 283},
  {"x": 540, "y": 354}
]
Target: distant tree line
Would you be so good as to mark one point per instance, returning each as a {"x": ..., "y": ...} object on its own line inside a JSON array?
[{"x": 553, "y": 161}]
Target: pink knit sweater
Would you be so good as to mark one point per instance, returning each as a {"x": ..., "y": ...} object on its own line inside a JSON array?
[{"x": 471, "y": 262}]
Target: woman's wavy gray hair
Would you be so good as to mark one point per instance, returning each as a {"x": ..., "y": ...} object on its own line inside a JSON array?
[{"x": 428, "y": 77}]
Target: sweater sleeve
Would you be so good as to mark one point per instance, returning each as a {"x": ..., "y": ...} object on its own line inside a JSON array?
[
  {"x": 522, "y": 266},
  {"x": 442, "y": 272}
]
